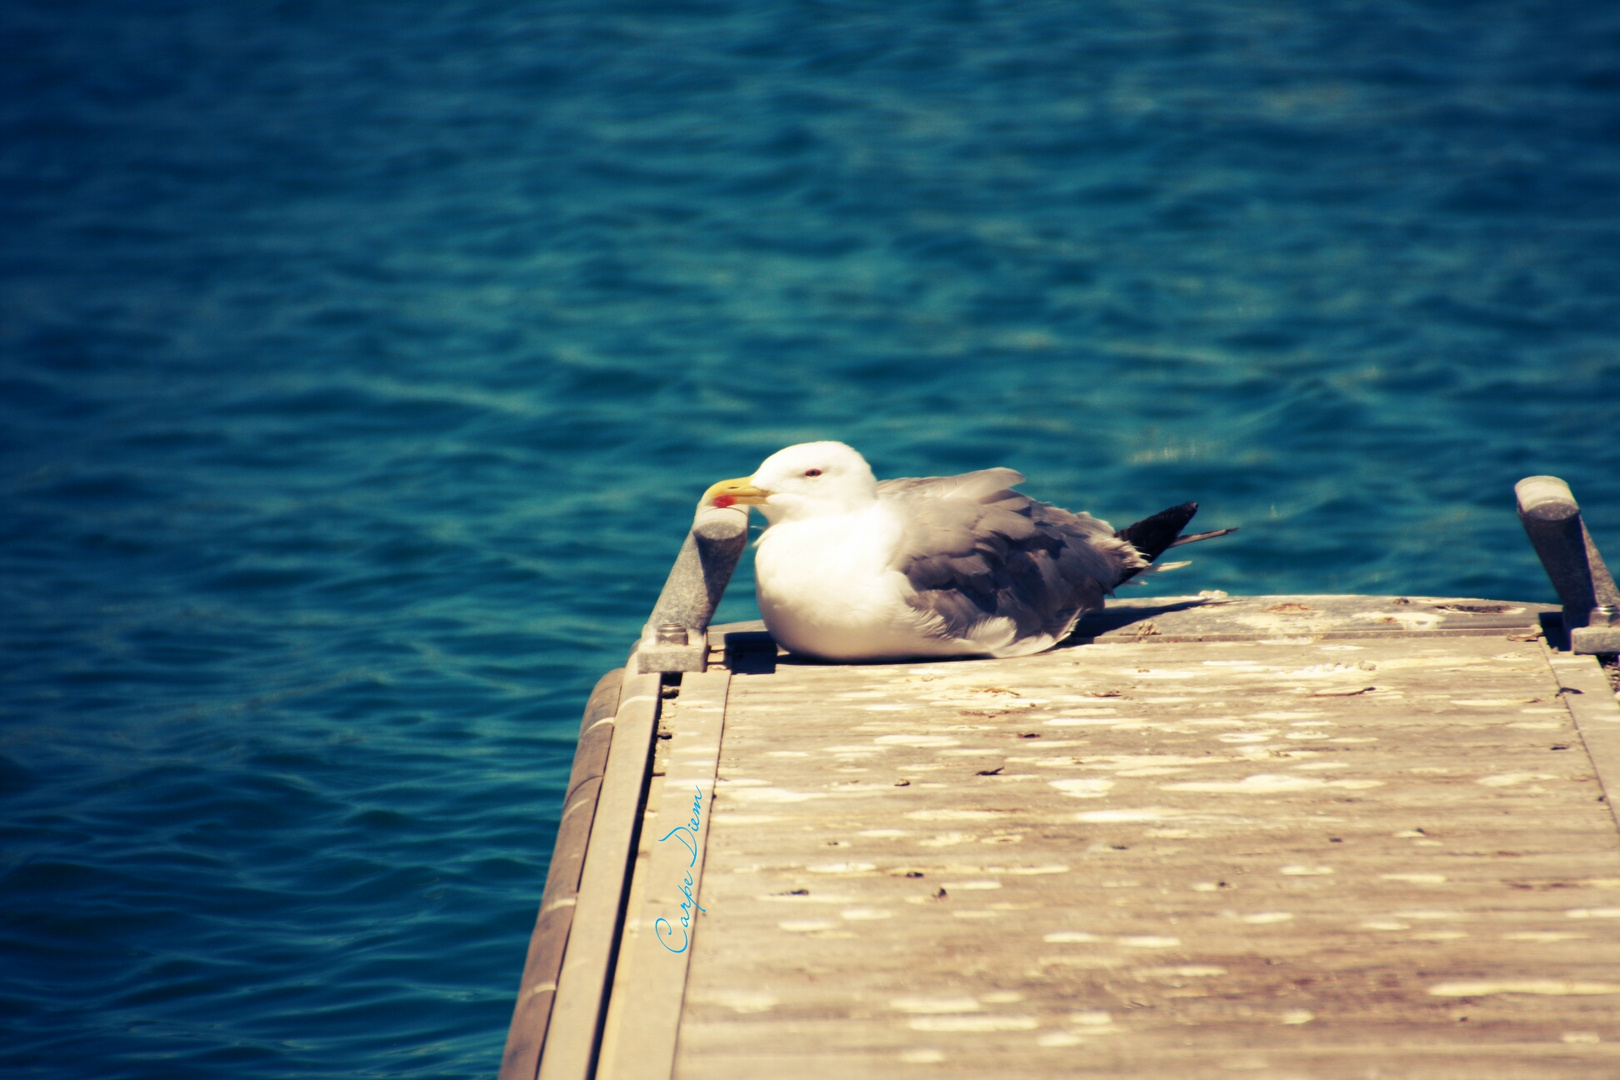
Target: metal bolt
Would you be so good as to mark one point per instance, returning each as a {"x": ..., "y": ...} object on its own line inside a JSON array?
[
  {"x": 1603, "y": 615},
  {"x": 671, "y": 633}
]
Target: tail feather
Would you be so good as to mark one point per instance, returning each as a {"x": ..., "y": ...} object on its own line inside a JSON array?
[
  {"x": 1153, "y": 536},
  {"x": 1195, "y": 537}
]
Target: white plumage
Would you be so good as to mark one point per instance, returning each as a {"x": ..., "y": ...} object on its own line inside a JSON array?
[{"x": 853, "y": 569}]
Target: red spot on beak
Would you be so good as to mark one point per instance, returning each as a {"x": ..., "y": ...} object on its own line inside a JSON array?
[{"x": 724, "y": 500}]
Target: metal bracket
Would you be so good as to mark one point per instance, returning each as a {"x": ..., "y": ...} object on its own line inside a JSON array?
[
  {"x": 675, "y": 637},
  {"x": 1552, "y": 521}
]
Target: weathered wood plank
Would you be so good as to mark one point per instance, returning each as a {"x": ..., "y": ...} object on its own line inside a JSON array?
[
  {"x": 1215, "y": 616},
  {"x": 1592, "y": 705},
  {"x": 661, "y": 924},
  {"x": 582, "y": 982},
  {"x": 532, "y": 1014},
  {"x": 1328, "y": 857}
]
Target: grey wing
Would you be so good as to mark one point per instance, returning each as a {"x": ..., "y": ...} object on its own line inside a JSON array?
[
  {"x": 973, "y": 550},
  {"x": 984, "y": 485}
]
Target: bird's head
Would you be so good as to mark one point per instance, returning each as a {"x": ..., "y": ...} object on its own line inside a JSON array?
[{"x": 801, "y": 481}]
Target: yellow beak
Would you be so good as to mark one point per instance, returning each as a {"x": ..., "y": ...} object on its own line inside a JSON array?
[{"x": 738, "y": 492}]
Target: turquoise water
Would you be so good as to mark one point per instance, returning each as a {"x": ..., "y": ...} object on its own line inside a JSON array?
[{"x": 360, "y": 365}]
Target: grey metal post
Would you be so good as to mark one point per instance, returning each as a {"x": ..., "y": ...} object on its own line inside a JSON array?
[
  {"x": 675, "y": 637},
  {"x": 1552, "y": 521}
]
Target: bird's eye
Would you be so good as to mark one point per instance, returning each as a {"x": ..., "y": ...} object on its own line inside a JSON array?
[{"x": 812, "y": 472}]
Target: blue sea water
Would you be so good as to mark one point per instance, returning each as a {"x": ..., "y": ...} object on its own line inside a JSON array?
[{"x": 360, "y": 365}]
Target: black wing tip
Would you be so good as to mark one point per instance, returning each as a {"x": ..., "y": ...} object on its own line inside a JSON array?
[{"x": 1153, "y": 536}]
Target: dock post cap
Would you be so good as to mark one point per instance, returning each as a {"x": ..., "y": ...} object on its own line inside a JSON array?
[
  {"x": 719, "y": 523},
  {"x": 1545, "y": 498}
]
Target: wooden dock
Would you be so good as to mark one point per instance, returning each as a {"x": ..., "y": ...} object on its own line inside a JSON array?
[{"x": 1290, "y": 837}]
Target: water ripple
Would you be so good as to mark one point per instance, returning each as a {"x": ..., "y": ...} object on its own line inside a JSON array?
[{"x": 358, "y": 373}]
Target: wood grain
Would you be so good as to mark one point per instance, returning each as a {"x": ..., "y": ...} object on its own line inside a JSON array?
[
  {"x": 582, "y": 982},
  {"x": 1325, "y": 856},
  {"x": 537, "y": 990},
  {"x": 660, "y": 933}
]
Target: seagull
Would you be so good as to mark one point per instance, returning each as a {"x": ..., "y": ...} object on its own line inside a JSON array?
[{"x": 853, "y": 569}]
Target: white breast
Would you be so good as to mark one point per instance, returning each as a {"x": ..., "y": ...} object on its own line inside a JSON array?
[{"x": 825, "y": 588}]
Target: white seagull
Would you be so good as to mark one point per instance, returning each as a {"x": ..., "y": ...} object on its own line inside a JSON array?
[{"x": 853, "y": 569}]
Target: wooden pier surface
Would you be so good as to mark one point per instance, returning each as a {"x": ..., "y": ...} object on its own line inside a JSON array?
[{"x": 1271, "y": 836}]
